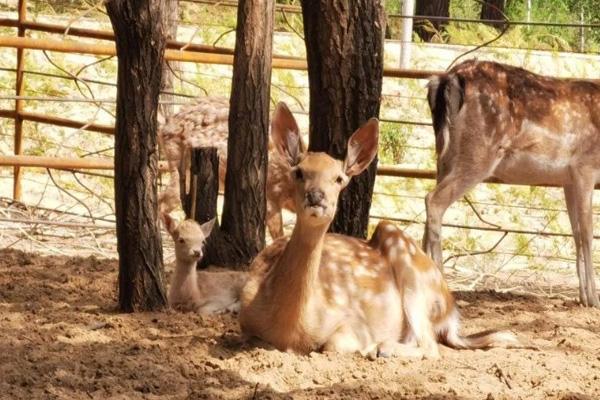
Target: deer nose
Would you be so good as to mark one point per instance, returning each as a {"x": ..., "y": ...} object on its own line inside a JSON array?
[
  {"x": 197, "y": 253},
  {"x": 314, "y": 197}
]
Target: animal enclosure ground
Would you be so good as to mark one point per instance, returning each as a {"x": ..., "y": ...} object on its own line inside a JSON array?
[{"x": 61, "y": 338}]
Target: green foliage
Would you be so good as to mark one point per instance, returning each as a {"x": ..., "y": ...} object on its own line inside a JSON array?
[
  {"x": 392, "y": 140},
  {"x": 465, "y": 9},
  {"x": 538, "y": 37}
]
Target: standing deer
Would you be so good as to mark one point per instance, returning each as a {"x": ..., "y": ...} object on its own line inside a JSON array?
[
  {"x": 495, "y": 120},
  {"x": 204, "y": 124},
  {"x": 319, "y": 290}
]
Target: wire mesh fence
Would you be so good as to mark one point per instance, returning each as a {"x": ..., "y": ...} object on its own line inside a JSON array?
[{"x": 500, "y": 229}]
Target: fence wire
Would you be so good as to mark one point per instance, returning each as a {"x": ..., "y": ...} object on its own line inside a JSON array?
[{"x": 75, "y": 207}]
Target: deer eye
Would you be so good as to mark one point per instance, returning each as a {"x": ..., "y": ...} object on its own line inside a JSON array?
[
  {"x": 339, "y": 180},
  {"x": 298, "y": 174},
  {"x": 181, "y": 240}
]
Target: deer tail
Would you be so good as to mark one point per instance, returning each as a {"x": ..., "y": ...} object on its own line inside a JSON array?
[
  {"x": 448, "y": 334},
  {"x": 445, "y": 95}
]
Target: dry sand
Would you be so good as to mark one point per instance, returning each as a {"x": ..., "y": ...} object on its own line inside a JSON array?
[{"x": 62, "y": 338}]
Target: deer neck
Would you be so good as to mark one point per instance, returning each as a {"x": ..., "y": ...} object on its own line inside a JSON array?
[
  {"x": 185, "y": 279},
  {"x": 295, "y": 275}
]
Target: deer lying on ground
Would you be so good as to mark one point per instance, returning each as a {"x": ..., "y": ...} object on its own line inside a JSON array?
[
  {"x": 204, "y": 124},
  {"x": 318, "y": 290},
  {"x": 205, "y": 292},
  {"x": 494, "y": 120}
]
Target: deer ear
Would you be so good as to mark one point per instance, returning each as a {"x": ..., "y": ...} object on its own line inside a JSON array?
[
  {"x": 286, "y": 135},
  {"x": 207, "y": 227},
  {"x": 169, "y": 222},
  {"x": 362, "y": 147}
]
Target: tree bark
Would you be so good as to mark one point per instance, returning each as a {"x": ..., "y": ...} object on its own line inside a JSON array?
[
  {"x": 170, "y": 16},
  {"x": 434, "y": 8},
  {"x": 140, "y": 48},
  {"x": 494, "y": 9},
  {"x": 244, "y": 209},
  {"x": 344, "y": 46},
  {"x": 200, "y": 203}
]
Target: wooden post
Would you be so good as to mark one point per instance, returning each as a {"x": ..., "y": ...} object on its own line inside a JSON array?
[
  {"x": 200, "y": 202},
  {"x": 140, "y": 48},
  {"x": 19, "y": 103}
]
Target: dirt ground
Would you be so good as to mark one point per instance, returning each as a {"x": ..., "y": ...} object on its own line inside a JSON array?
[{"x": 61, "y": 338}]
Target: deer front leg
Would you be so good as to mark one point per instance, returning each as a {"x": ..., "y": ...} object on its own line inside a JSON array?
[
  {"x": 274, "y": 220},
  {"x": 578, "y": 197}
]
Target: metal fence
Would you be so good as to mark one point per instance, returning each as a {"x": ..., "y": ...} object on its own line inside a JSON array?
[{"x": 39, "y": 35}]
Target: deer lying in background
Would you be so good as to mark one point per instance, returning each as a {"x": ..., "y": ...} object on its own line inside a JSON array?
[
  {"x": 206, "y": 292},
  {"x": 494, "y": 120},
  {"x": 318, "y": 290},
  {"x": 205, "y": 124}
]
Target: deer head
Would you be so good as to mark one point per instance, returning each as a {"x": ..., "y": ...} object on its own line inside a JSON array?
[
  {"x": 318, "y": 178},
  {"x": 189, "y": 237}
]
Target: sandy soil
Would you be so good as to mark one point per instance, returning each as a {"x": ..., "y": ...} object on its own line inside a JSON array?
[{"x": 61, "y": 338}]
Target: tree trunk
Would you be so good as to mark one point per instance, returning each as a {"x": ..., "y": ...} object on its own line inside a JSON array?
[
  {"x": 140, "y": 48},
  {"x": 200, "y": 203},
  {"x": 494, "y": 9},
  {"x": 344, "y": 46},
  {"x": 434, "y": 8},
  {"x": 170, "y": 17},
  {"x": 244, "y": 209}
]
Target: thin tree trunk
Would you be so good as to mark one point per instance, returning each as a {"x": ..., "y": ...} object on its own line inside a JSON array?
[
  {"x": 434, "y": 8},
  {"x": 494, "y": 10},
  {"x": 140, "y": 48},
  {"x": 242, "y": 232},
  {"x": 170, "y": 17},
  {"x": 344, "y": 46},
  {"x": 201, "y": 202}
]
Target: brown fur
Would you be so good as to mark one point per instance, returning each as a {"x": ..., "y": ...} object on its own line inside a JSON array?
[
  {"x": 495, "y": 120},
  {"x": 205, "y": 292},
  {"x": 318, "y": 290},
  {"x": 203, "y": 124}
]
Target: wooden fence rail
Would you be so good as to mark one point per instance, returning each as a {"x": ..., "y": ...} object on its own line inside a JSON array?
[
  {"x": 176, "y": 51},
  {"x": 72, "y": 46},
  {"x": 64, "y": 163}
]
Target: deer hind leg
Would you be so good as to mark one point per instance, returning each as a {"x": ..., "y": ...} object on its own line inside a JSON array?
[
  {"x": 393, "y": 348},
  {"x": 450, "y": 188},
  {"x": 416, "y": 324},
  {"x": 416, "y": 309},
  {"x": 578, "y": 197},
  {"x": 345, "y": 340}
]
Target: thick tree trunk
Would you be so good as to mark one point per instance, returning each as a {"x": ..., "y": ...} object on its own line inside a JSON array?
[
  {"x": 494, "y": 9},
  {"x": 344, "y": 46},
  {"x": 434, "y": 8},
  {"x": 140, "y": 47},
  {"x": 244, "y": 210}
]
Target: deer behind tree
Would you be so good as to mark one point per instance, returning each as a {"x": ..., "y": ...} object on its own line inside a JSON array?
[{"x": 205, "y": 124}]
